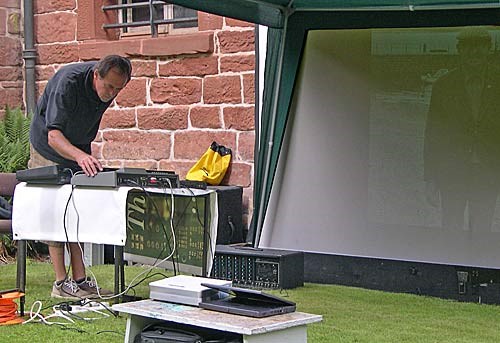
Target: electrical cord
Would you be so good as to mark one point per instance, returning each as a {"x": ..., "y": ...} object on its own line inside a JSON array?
[
  {"x": 85, "y": 263},
  {"x": 71, "y": 199},
  {"x": 175, "y": 223},
  {"x": 69, "y": 328},
  {"x": 106, "y": 307},
  {"x": 147, "y": 277},
  {"x": 83, "y": 305},
  {"x": 200, "y": 221},
  {"x": 149, "y": 269},
  {"x": 8, "y": 308},
  {"x": 71, "y": 312},
  {"x": 86, "y": 266},
  {"x": 65, "y": 310},
  {"x": 173, "y": 250},
  {"x": 203, "y": 223},
  {"x": 160, "y": 217},
  {"x": 66, "y": 229},
  {"x": 65, "y": 216},
  {"x": 173, "y": 216},
  {"x": 110, "y": 331},
  {"x": 172, "y": 226},
  {"x": 36, "y": 316}
]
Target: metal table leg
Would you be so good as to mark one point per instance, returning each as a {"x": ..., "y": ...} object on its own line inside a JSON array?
[
  {"x": 119, "y": 271},
  {"x": 21, "y": 272}
]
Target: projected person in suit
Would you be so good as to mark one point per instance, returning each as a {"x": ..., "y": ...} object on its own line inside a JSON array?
[{"x": 462, "y": 136}]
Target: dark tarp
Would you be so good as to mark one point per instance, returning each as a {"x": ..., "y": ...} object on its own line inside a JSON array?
[{"x": 273, "y": 13}]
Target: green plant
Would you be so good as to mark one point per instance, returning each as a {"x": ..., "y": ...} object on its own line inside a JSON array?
[
  {"x": 7, "y": 247},
  {"x": 14, "y": 155},
  {"x": 14, "y": 140}
]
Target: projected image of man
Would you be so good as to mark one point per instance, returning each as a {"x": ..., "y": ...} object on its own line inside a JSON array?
[{"x": 462, "y": 140}]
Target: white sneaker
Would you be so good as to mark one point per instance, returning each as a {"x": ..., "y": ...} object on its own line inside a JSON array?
[
  {"x": 68, "y": 289},
  {"x": 90, "y": 287}
]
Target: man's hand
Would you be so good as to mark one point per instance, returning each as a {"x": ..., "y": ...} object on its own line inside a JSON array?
[{"x": 89, "y": 164}]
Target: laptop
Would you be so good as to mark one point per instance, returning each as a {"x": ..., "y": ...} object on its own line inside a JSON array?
[{"x": 247, "y": 302}]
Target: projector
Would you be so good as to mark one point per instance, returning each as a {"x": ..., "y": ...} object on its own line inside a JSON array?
[{"x": 186, "y": 290}]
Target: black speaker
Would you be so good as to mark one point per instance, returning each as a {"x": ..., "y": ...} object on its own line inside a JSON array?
[{"x": 230, "y": 224}]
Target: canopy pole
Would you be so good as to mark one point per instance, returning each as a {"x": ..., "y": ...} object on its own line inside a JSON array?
[{"x": 270, "y": 143}]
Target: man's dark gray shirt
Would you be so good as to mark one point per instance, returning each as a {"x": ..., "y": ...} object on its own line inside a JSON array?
[{"x": 70, "y": 104}]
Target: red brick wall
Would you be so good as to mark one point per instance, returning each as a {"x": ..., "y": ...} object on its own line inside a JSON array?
[
  {"x": 11, "y": 78},
  {"x": 186, "y": 91}
]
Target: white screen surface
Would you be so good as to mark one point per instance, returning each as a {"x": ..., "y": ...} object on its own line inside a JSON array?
[{"x": 362, "y": 152}]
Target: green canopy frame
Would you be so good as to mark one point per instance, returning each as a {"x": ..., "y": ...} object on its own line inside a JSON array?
[{"x": 288, "y": 22}]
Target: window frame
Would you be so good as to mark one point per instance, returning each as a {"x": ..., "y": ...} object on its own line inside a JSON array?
[{"x": 140, "y": 27}]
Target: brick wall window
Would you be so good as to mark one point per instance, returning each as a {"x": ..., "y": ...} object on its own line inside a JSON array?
[{"x": 171, "y": 19}]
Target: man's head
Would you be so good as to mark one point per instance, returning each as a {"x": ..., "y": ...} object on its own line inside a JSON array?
[
  {"x": 474, "y": 45},
  {"x": 111, "y": 75}
]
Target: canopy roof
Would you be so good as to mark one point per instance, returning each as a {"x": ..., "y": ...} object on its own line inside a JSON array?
[{"x": 272, "y": 13}]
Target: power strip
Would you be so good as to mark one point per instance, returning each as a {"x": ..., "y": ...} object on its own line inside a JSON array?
[{"x": 90, "y": 306}]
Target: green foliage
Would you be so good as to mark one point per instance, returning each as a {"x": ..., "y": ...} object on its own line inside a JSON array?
[{"x": 14, "y": 141}]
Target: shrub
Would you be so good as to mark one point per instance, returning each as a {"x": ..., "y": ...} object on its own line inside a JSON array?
[
  {"x": 14, "y": 141},
  {"x": 14, "y": 155}
]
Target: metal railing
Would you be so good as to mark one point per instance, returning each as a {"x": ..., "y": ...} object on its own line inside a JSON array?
[{"x": 153, "y": 22}]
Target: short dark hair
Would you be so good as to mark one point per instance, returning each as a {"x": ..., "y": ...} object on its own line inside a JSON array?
[
  {"x": 474, "y": 35},
  {"x": 122, "y": 64}
]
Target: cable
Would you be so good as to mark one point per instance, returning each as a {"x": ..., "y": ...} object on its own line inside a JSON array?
[
  {"x": 36, "y": 315},
  {"x": 72, "y": 199},
  {"x": 66, "y": 229},
  {"x": 109, "y": 331},
  {"x": 73, "y": 329},
  {"x": 172, "y": 226},
  {"x": 149, "y": 269},
  {"x": 65, "y": 215},
  {"x": 8, "y": 308},
  {"x": 66, "y": 311},
  {"x": 71, "y": 311},
  {"x": 172, "y": 218},
  {"x": 102, "y": 304},
  {"x": 85, "y": 263},
  {"x": 203, "y": 223},
  {"x": 173, "y": 250},
  {"x": 81, "y": 249},
  {"x": 148, "y": 277},
  {"x": 211, "y": 248}
]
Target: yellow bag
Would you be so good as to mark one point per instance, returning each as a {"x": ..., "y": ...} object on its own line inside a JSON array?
[{"x": 212, "y": 165}]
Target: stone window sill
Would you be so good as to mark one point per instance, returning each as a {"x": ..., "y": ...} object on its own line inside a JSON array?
[{"x": 144, "y": 46}]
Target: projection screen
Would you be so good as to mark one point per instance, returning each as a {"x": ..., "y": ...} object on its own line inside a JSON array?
[{"x": 392, "y": 148}]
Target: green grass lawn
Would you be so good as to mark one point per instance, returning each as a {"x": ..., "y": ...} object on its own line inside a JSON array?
[{"x": 349, "y": 314}]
